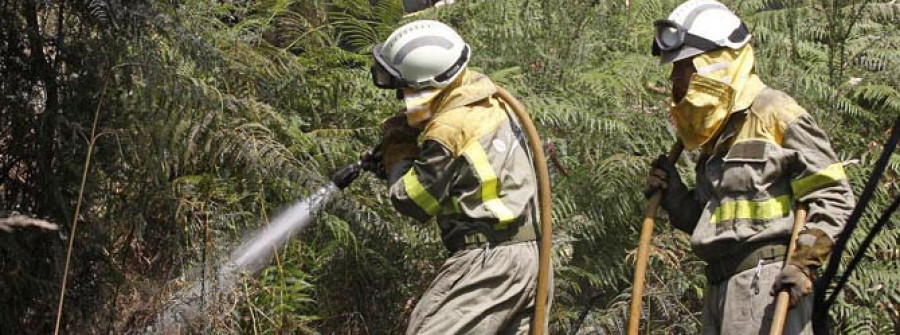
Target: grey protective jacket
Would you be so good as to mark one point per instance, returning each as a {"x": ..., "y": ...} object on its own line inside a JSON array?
[
  {"x": 767, "y": 159},
  {"x": 473, "y": 171}
]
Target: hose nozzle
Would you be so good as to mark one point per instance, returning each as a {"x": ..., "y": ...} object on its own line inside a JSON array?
[
  {"x": 346, "y": 175},
  {"x": 369, "y": 161}
]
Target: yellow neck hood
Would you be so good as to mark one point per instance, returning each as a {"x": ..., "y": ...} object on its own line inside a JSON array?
[
  {"x": 468, "y": 88},
  {"x": 725, "y": 82}
]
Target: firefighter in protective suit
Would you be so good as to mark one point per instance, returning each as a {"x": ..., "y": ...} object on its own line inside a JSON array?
[
  {"x": 761, "y": 155},
  {"x": 457, "y": 153}
]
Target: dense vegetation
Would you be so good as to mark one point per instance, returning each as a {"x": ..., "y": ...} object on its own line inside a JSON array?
[{"x": 192, "y": 122}]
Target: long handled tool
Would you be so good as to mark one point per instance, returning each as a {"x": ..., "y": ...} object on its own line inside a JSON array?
[
  {"x": 783, "y": 300},
  {"x": 643, "y": 254},
  {"x": 543, "y": 176}
]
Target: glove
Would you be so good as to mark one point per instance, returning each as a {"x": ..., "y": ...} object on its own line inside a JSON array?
[
  {"x": 795, "y": 281},
  {"x": 684, "y": 210},
  {"x": 659, "y": 178},
  {"x": 373, "y": 161},
  {"x": 346, "y": 175},
  {"x": 813, "y": 248},
  {"x": 399, "y": 142}
]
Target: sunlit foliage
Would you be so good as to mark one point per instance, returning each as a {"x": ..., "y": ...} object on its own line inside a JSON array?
[{"x": 212, "y": 116}]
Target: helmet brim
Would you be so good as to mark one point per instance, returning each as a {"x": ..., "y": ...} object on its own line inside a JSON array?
[{"x": 677, "y": 55}]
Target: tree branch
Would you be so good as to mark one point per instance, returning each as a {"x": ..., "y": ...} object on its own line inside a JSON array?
[{"x": 7, "y": 224}]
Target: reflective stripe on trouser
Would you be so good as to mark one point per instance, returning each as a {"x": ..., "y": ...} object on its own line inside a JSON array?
[
  {"x": 481, "y": 291},
  {"x": 743, "y": 305}
]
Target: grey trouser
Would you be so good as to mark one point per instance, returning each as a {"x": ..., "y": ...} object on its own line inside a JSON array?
[
  {"x": 481, "y": 291},
  {"x": 743, "y": 305}
]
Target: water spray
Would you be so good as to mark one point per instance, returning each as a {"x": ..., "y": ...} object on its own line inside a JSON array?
[
  {"x": 187, "y": 308},
  {"x": 255, "y": 254},
  {"x": 188, "y": 305}
]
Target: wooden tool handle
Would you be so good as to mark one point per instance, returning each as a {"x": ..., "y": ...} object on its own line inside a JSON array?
[
  {"x": 782, "y": 302},
  {"x": 643, "y": 254}
]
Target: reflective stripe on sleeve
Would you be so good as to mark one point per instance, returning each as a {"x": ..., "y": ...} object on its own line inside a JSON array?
[
  {"x": 489, "y": 185},
  {"x": 754, "y": 210},
  {"x": 418, "y": 194},
  {"x": 828, "y": 176}
]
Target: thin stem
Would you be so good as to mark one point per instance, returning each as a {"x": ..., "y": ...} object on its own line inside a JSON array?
[{"x": 87, "y": 164}]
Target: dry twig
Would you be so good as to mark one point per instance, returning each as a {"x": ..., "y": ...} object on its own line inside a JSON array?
[{"x": 9, "y": 223}]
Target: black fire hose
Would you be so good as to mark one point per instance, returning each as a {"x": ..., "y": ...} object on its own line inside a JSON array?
[{"x": 821, "y": 305}]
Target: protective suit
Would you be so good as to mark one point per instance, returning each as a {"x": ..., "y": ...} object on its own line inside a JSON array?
[
  {"x": 761, "y": 155},
  {"x": 473, "y": 172}
]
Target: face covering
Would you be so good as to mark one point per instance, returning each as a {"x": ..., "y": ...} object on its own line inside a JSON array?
[
  {"x": 724, "y": 83},
  {"x": 417, "y": 103},
  {"x": 702, "y": 111}
]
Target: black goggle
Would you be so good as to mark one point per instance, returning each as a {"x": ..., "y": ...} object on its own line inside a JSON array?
[
  {"x": 671, "y": 36},
  {"x": 386, "y": 77}
]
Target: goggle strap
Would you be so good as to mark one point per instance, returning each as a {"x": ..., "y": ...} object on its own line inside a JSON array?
[
  {"x": 449, "y": 73},
  {"x": 739, "y": 34},
  {"x": 700, "y": 42}
]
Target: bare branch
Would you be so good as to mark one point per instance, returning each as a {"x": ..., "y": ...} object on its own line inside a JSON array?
[{"x": 8, "y": 223}]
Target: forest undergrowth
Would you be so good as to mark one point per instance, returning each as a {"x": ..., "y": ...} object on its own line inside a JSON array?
[{"x": 192, "y": 123}]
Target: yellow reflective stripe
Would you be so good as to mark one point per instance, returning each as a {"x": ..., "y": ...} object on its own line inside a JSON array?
[
  {"x": 418, "y": 194},
  {"x": 754, "y": 210},
  {"x": 476, "y": 238},
  {"x": 489, "y": 185},
  {"x": 830, "y": 175},
  {"x": 503, "y": 214}
]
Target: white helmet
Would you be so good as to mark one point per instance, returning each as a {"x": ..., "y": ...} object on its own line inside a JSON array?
[
  {"x": 420, "y": 54},
  {"x": 695, "y": 27}
]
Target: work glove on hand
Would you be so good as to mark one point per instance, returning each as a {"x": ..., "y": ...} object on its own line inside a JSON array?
[
  {"x": 677, "y": 200},
  {"x": 664, "y": 176},
  {"x": 346, "y": 175},
  {"x": 399, "y": 142},
  {"x": 373, "y": 161},
  {"x": 813, "y": 248},
  {"x": 795, "y": 281}
]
